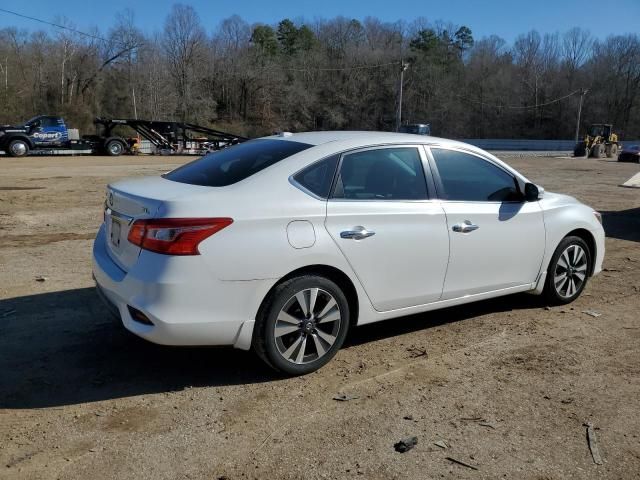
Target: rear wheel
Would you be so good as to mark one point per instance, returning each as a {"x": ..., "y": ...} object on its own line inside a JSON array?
[
  {"x": 18, "y": 148},
  {"x": 612, "y": 150},
  {"x": 580, "y": 150},
  {"x": 302, "y": 325},
  {"x": 568, "y": 271},
  {"x": 114, "y": 148}
]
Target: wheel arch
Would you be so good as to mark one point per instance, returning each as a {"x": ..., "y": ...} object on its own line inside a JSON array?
[
  {"x": 332, "y": 273},
  {"x": 6, "y": 140},
  {"x": 590, "y": 240}
]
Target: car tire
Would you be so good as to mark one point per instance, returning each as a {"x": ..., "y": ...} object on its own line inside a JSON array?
[
  {"x": 18, "y": 148},
  {"x": 568, "y": 271},
  {"x": 114, "y": 148},
  {"x": 302, "y": 324}
]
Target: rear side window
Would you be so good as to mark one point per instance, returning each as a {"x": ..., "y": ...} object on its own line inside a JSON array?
[
  {"x": 466, "y": 177},
  {"x": 317, "y": 178},
  {"x": 382, "y": 174},
  {"x": 233, "y": 164}
]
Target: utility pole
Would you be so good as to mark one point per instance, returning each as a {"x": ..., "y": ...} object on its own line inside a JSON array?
[
  {"x": 403, "y": 67},
  {"x": 583, "y": 92},
  {"x": 135, "y": 108}
]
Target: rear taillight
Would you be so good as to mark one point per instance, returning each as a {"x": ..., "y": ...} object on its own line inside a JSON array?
[{"x": 175, "y": 236}]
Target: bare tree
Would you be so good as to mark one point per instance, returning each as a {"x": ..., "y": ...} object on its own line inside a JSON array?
[
  {"x": 184, "y": 39},
  {"x": 576, "y": 48}
]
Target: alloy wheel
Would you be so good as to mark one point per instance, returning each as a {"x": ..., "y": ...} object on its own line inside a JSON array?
[
  {"x": 307, "y": 326},
  {"x": 571, "y": 271}
]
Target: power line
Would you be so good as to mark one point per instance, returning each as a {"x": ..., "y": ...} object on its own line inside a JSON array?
[
  {"x": 54, "y": 25},
  {"x": 521, "y": 107}
]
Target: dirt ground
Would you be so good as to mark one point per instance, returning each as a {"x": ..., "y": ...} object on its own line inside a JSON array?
[{"x": 506, "y": 383}]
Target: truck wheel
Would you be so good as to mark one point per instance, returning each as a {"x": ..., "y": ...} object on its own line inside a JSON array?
[
  {"x": 18, "y": 148},
  {"x": 612, "y": 151},
  {"x": 114, "y": 148}
]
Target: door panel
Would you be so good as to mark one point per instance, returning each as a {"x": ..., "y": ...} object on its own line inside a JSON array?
[
  {"x": 505, "y": 250},
  {"x": 404, "y": 263},
  {"x": 496, "y": 239},
  {"x": 395, "y": 239}
]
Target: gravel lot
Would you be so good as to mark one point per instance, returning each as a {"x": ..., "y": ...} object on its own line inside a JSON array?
[{"x": 506, "y": 383}]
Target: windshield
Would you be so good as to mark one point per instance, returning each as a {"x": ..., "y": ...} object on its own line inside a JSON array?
[
  {"x": 31, "y": 120},
  {"x": 597, "y": 131},
  {"x": 233, "y": 164}
]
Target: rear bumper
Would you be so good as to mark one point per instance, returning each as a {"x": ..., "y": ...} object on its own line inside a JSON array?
[{"x": 186, "y": 303}]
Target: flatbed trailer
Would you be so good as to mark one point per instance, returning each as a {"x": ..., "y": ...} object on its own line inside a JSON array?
[
  {"x": 49, "y": 135},
  {"x": 173, "y": 137}
]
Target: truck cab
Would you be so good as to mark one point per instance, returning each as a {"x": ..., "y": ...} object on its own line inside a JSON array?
[
  {"x": 47, "y": 131},
  {"x": 49, "y": 135}
]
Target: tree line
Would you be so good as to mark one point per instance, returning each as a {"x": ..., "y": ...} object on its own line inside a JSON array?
[{"x": 337, "y": 73}]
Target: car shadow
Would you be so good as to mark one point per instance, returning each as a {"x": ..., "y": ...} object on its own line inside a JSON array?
[
  {"x": 64, "y": 348},
  {"x": 420, "y": 321},
  {"x": 623, "y": 224}
]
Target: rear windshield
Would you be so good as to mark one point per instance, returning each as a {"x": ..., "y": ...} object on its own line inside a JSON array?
[{"x": 233, "y": 164}]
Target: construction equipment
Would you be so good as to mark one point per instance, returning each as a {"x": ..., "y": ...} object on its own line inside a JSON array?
[{"x": 599, "y": 141}]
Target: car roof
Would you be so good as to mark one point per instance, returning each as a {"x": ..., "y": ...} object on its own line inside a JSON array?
[
  {"x": 331, "y": 142},
  {"x": 364, "y": 138}
]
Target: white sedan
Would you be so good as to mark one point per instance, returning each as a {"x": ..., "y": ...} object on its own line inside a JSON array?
[{"x": 284, "y": 243}]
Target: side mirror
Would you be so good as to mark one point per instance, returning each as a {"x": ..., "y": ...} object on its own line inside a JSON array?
[{"x": 531, "y": 192}]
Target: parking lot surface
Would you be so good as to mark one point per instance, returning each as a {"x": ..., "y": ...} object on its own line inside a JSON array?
[{"x": 506, "y": 385}]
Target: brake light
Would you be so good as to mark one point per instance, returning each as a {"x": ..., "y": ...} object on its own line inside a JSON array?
[{"x": 175, "y": 236}]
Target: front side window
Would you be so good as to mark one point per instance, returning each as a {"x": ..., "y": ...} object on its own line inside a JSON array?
[
  {"x": 233, "y": 164},
  {"x": 382, "y": 174},
  {"x": 465, "y": 177}
]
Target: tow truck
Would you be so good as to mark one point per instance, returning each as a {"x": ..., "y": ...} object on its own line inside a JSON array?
[{"x": 49, "y": 135}]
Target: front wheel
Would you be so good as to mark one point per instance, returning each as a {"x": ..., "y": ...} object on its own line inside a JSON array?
[
  {"x": 568, "y": 271},
  {"x": 18, "y": 148},
  {"x": 302, "y": 325}
]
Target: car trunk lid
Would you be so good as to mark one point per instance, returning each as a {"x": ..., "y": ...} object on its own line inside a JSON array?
[{"x": 135, "y": 199}]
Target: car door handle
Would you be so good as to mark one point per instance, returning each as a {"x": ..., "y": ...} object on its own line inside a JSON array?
[
  {"x": 465, "y": 227},
  {"x": 358, "y": 233}
]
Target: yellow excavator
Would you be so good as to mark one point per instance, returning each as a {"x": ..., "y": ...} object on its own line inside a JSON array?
[{"x": 599, "y": 141}]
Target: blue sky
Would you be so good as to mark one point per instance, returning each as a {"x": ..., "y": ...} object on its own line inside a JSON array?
[{"x": 506, "y": 18}]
